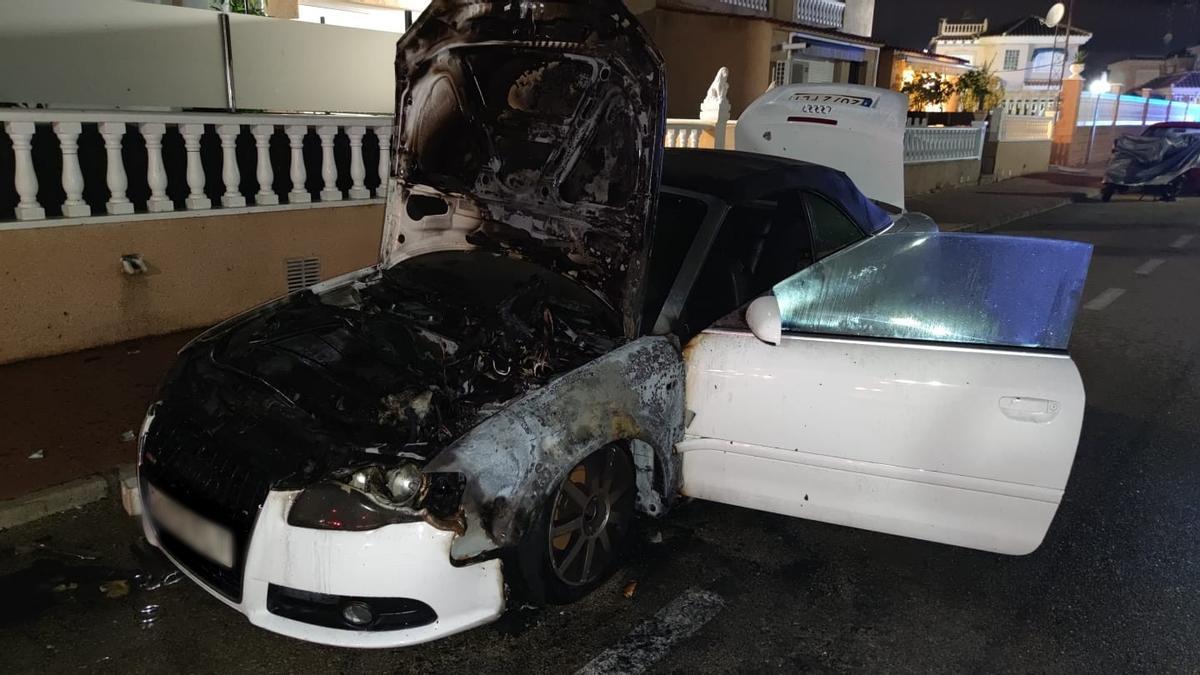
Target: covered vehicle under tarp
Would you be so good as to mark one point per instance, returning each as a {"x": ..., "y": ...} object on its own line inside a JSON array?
[{"x": 1152, "y": 160}]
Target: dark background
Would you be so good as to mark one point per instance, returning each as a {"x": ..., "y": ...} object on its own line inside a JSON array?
[{"x": 1120, "y": 28}]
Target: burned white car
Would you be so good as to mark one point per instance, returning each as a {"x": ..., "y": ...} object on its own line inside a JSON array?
[{"x": 570, "y": 326}]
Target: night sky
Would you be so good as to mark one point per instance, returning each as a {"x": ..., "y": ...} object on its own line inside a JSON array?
[{"x": 1121, "y": 28}]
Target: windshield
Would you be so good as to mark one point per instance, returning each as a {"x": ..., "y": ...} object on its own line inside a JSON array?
[{"x": 956, "y": 288}]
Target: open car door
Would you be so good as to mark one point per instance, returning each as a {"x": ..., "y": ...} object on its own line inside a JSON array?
[{"x": 921, "y": 387}]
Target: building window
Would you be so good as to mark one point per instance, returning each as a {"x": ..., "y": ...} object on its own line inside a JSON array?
[
  {"x": 1045, "y": 64},
  {"x": 779, "y": 73},
  {"x": 1012, "y": 58}
]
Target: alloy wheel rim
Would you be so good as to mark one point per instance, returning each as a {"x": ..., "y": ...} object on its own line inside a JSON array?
[{"x": 591, "y": 511}]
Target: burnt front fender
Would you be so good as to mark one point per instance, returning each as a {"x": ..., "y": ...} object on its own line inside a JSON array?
[{"x": 514, "y": 461}]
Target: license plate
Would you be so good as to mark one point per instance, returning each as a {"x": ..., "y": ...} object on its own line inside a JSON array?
[{"x": 200, "y": 534}]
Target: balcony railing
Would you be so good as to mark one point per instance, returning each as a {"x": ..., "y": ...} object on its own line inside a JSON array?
[
  {"x": 961, "y": 29},
  {"x": 759, "y": 6},
  {"x": 160, "y": 154},
  {"x": 943, "y": 144},
  {"x": 1030, "y": 103},
  {"x": 821, "y": 13}
]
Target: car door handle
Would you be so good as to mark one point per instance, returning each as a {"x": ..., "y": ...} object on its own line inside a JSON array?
[{"x": 1028, "y": 409}]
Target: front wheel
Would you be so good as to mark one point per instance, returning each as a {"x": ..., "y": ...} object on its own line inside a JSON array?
[
  {"x": 580, "y": 535},
  {"x": 1106, "y": 193}
]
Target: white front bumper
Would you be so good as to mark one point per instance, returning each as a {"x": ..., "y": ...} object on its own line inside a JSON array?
[{"x": 410, "y": 560}]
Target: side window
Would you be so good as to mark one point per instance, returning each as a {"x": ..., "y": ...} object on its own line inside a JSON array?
[
  {"x": 760, "y": 244},
  {"x": 675, "y": 228},
  {"x": 832, "y": 230}
]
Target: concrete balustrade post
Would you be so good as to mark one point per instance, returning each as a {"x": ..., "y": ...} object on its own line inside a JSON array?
[
  {"x": 329, "y": 189},
  {"x": 196, "y": 199},
  {"x": 263, "y": 171},
  {"x": 384, "y": 134},
  {"x": 21, "y": 135},
  {"x": 118, "y": 203},
  {"x": 296, "y": 170},
  {"x": 358, "y": 172},
  {"x": 156, "y": 173},
  {"x": 72, "y": 176},
  {"x": 230, "y": 175}
]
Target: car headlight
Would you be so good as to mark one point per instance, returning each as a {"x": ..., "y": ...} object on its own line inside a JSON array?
[{"x": 370, "y": 497}]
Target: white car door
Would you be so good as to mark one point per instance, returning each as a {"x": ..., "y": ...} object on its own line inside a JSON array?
[{"x": 921, "y": 388}]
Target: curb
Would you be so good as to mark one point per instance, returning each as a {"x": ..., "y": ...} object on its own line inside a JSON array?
[{"x": 60, "y": 498}]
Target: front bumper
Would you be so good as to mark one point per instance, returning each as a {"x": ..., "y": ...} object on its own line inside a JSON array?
[{"x": 409, "y": 560}]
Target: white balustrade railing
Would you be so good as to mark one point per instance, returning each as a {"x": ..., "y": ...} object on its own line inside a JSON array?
[
  {"x": 755, "y": 5},
  {"x": 1030, "y": 103},
  {"x": 961, "y": 29},
  {"x": 114, "y": 127},
  {"x": 683, "y": 133},
  {"x": 821, "y": 13},
  {"x": 943, "y": 144}
]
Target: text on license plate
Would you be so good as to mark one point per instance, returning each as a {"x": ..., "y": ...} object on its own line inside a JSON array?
[{"x": 200, "y": 534}]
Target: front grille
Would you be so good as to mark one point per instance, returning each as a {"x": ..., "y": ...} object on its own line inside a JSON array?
[
  {"x": 320, "y": 609},
  {"x": 214, "y": 480}
]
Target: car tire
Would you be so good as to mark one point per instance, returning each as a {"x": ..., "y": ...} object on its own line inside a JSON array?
[
  {"x": 1171, "y": 191},
  {"x": 580, "y": 534},
  {"x": 1106, "y": 193}
]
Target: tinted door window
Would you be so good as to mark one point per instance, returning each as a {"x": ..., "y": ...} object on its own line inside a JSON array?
[
  {"x": 759, "y": 244},
  {"x": 832, "y": 229},
  {"x": 675, "y": 228}
]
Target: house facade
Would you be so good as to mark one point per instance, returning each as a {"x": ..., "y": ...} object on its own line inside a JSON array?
[
  {"x": 761, "y": 42},
  {"x": 1025, "y": 53},
  {"x": 1175, "y": 76}
]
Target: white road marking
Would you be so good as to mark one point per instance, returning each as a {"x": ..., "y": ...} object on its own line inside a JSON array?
[
  {"x": 1105, "y": 299},
  {"x": 1183, "y": 240},
  {"x": 1148, "y": 267},
  {"x": 653, "y": 638}
]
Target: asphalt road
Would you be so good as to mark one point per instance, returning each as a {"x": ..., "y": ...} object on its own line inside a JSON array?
[{"x": 1115, "y": 586}]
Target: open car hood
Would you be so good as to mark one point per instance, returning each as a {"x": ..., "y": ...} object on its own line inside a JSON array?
[{"x": 532, "y": 128}]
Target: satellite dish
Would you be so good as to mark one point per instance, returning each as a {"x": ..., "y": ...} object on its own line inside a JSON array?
[{"x": 1055, "y": 15}]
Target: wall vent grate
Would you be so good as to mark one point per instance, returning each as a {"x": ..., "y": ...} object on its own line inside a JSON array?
[{"x": 300, "y": 273}]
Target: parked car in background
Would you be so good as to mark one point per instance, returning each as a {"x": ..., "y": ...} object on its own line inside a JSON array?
[{"x": 569, "y": 327}]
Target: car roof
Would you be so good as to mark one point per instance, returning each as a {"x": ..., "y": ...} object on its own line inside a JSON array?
[{"x": 737, "y": 177}]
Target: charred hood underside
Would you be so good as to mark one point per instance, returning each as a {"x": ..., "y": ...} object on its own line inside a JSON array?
[{"x": 548, "y": 118}]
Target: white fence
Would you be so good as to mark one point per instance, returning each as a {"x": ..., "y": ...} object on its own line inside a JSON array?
[
  {"x": 1105, "y": 110},
  {"x": 1030, "y": 103},
  {"x": 943, "y": 144},
  {"x": 156, "y": 128},
  {"x": 96, "y": 54}
]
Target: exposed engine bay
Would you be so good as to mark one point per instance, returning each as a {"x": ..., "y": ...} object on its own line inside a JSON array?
[{"x": 402, "y": 362}]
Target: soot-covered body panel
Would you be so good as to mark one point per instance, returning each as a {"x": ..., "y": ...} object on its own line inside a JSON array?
[{"x": 548, "y": 119}]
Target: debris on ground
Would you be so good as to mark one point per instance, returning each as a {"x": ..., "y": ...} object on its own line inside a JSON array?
[
  {"x": 112, "y": 590},
  {"x": 630, "y": 589},
  {"x": 128, "y": 436},
  {"x": 37, "y": 454},
  {"x": 655, "y": 537},
  {"x": 148, "y": 614}
]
